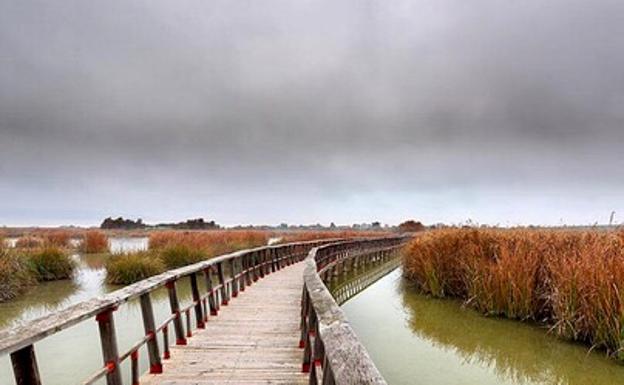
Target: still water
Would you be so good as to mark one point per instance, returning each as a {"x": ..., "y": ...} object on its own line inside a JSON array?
[
  {"x": 414, "y": 340},
  {"x": 72, "y": 355}
]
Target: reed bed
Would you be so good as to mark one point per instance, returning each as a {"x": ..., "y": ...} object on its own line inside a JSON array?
[
  {"x": 57, "y": 238},
  {"x": 571, "y": 281},
  {"x": 302, "y": 236},
  {"x": 23, "y": 268},
  {"x": 29, "y": 242},
  {"x": 212, "y": 243},
  {"x": 94, "y": 242},
  {"x": 172, "y": 249},
  {"x": 124, "y": 269}
]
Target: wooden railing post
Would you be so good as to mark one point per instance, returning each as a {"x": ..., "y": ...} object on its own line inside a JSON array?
[
  {"x": 234, "y": 270},
  {"x": 150, "y": 330},
  {"x": 212, "y": 295},
  {"x": 243, "y": 272},
  {"x": 199, "y": 313},
  {"x": 108, "y": 340},
  {"x": 25, "y": 367},
  {"x": 175, "y": 309},
  {"x": 225, "y": 298}
]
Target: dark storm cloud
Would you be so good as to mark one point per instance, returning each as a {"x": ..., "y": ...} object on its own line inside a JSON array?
[{"x": 257, "y": 111}]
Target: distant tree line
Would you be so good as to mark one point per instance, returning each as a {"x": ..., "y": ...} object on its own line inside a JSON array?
[{"x": 128, "y": 224}]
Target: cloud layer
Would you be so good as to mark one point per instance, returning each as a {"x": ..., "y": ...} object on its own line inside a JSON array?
[{"x": 312, "y": 111}]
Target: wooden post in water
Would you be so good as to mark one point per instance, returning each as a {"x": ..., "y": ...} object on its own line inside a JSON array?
[
  {"x": 199, "y": 316},
  {"x": 175, "y": 309},
  {"x": 150, "y": 330},
  {"x": 108, "y": 340},
  {"x": 25, "y": 367}
]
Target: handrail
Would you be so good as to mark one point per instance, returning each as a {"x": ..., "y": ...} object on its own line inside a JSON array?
[
  {"x": 232, "y": 272},
  {"x": 333, "y": 354}
]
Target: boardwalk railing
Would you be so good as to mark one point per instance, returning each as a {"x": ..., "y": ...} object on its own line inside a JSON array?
[
  {"x": 224, "y": 277},
  {"x": 347, "y": 288},
  {"x": 333, "y": 354}
]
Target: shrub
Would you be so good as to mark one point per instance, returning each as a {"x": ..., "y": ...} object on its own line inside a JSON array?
[
  {"x": 50, "y": 263},
  {"x": 15, "y": 276},
  {"x": 570, "y": 280},
  {"x": 94, "y": 241},
  {"x": 177, "y": 255},
  {"x": 124, "y": 269}
]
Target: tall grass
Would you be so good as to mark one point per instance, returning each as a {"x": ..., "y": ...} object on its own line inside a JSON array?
[
  {"x": 50, "y": 264},
  {"x": 569, "y": 280},
  {"x": 301, "y": 236},
  {"x": 57, "y": 238},
  {"x": 29, "y": 242},
  {"x": 15, "y": 275},
  {"x": 212, "y": 243},
  {"x": 20, "y": 269},
  {"x": 94, "y": 241},
  {"x": 177, "y": 255},
  {"x": 124, "y": 269}
]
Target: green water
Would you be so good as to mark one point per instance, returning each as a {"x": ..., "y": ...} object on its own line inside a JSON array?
[
  {"x": 70, "y": 356},
  {"x": 414, "y": 339}
]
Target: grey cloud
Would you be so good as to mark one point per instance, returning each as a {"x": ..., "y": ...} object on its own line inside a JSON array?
[{"x": 250, "y": 110}]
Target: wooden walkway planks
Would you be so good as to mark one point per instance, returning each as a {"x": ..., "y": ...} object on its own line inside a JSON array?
[{"x": 253, "y": 340}]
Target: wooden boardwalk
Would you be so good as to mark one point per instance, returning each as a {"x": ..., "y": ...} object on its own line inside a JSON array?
[{"x": 253, "y": 340}]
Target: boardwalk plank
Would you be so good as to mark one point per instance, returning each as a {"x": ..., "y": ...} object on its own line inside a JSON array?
[{"x": 253, "y": 341}]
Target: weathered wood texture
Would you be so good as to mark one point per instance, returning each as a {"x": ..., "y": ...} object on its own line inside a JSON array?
[
  {"x": 331, "y": 346},
  {"x": 253, "y": 340}
]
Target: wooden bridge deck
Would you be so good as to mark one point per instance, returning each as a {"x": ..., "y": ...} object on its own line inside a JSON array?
[{"x": 253, "y": 340}]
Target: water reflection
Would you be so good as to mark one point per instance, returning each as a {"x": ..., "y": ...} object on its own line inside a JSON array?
[{"x": 415, "y": 339}]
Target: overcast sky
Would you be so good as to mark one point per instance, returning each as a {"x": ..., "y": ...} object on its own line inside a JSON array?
[{"x": 267, "y": 111}]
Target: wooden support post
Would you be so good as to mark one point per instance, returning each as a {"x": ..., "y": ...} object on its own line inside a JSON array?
[
  {"x": 234, "y": 270},
  {"x": 25, "y": 367},
  {"x": 242, "y": 281},
  {"x": 212, "y": 297},
  {"x": 199, "y": 313},
  {"x": 249, "y": 268},
  {"x": 108, "y": 340},
  {"x": 328, "y": 375},
  {"x": 262, "y": 260},
  {"x": 224, "y": 292},
  {"x": 150, "y": 330},
  {"x": 175, "y": 309}
]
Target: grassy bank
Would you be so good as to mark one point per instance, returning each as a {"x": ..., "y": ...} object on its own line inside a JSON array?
[
  {"x": 568, "y": 280},
  {"x": 21, "y": 269}
]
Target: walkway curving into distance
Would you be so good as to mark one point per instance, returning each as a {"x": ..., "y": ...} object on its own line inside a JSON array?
[{"x": 253, "y": 340}]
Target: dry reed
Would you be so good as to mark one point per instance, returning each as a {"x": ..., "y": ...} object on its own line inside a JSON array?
[{"x": 569, "y": 280}]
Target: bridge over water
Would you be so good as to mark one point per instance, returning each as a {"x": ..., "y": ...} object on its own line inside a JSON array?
[{"x": 258, "y": 316}]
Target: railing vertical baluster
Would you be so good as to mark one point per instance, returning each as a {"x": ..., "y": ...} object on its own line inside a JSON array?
[
  {"x": 199, "y": 316},
  {"x": 305, "y": 302},
  {"x": 328, "y": 375},
  {"x": 108, "y": 340},
  {"x": 189, "y": 332},
  {"x": 25, "y": 368},
  {"x": 212, "y": 300},
  {"x": 150, "y": 327},
  {"x": 175, "y": 309},
  {"x": 134, "y": 369},
  {"x": 224, "y": 292},
  {"x": 166, "y": 353}
]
